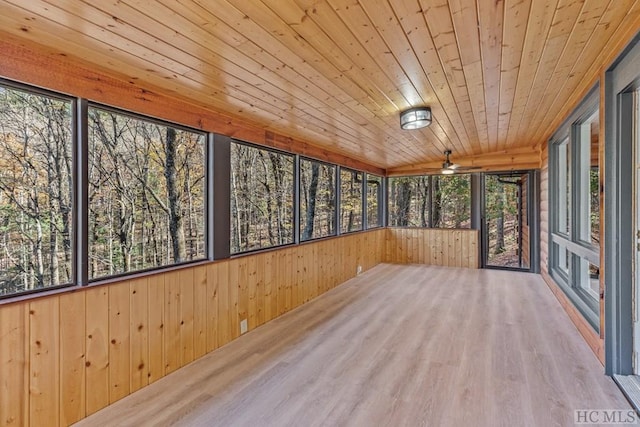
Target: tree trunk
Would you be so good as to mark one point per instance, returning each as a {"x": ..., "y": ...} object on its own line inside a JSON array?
[
  {"x": 235, "y": 215},
  {"x": 176, "y": 226},
  {"x": 123, "y": 234},
  {"x": 424, "y": 200},
  {"x": 331, "y": 219},
  {"x": 311, "y": 206},
  {"x": 404, "y": 203},
  {"x": 278, "y": 173},
  {"x": 500, "y": 221},
  {"x": 39, "y": 259},
  {"x": 436, "y": 213}
]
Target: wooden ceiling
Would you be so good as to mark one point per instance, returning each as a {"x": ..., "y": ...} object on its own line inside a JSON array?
[{"x": 498, "y": 74}]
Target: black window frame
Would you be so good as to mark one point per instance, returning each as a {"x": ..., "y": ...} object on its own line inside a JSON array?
[
  {"x": 75, "y": 146},
  {"x": 380, "y": 200},
  {"x": 430, "y": 207},
  {"x": 217, "y": 174},
  {"x": 294, "y": 194},
  {"x": 336, "y": 226},
  {"x": 362, "y": 200},
  {"x": 84, "y": 131}
]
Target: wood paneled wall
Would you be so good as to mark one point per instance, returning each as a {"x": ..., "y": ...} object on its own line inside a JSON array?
[
  {"x": 544, "y": 211},
  {"x": 65, "y": 356},
  {"x": 451, "y": 248}
]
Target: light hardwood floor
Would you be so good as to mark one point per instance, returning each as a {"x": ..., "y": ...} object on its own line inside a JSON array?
[{"x": 399, "y": 345}]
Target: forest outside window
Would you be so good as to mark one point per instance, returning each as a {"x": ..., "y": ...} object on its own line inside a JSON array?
[
  {"x": 262, "y": 190},
  {"x": 589, "y": 155},
  {"x": 351, "y": 184},
  {"x": 374, "y": 201},
  {"x": 36, "y": 193},
  {"x": 317, "y": 199},
  {"x": 451, "y": 202},
  {"x": 409, "y": 201},
  {"x": 430, "y": 201},
  {"x": 146, "y": 194}
]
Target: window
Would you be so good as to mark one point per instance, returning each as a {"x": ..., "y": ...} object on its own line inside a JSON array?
[
  {"x": 317, "y": 199},
  {"x": 430, "y": 201},
  {"x": 261, "y": 198},
  {"x": 589, "y": 155},
  {"x": 451, "y": 204},
  {"x": 574, "y": 183},
  {"x": 374, "y": 201},
  {"x": 144, "y": 203},
  {"x": 409, "y": 201},
  {"x": 146, "y": 194},
  {"x": 36, "y": 193},
  {"x": 563, "y": 167},
  {"x": 350, "y": 200}
]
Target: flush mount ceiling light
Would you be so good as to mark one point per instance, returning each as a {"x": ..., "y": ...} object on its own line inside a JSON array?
[{"x": 415, "y": 118}]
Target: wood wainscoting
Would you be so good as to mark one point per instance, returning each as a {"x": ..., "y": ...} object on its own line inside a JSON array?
[
  {"x": 433, "y": 246},
  {"x": 65, "y": 356}
]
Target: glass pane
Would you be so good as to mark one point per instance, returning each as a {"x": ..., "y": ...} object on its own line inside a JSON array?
[
  {"x": 594, "y": 280},
  {"x": 36, "y": 202},
  {"x": 261, "y": 198},
  {"x": 564, "y": 261},
  {"x": 350, "y": 200},
  {"x": 594, "y": 205},
  {"x": 594, "y": 179},
  {"x": 506, "y": 220},
  {"x": 563, "y": 168},
  {"x": 409, "y": 201},
  {"x": 451, "y": 205},
  {"x": 589, "y": 279},
  {"x": 374, "y": 198},
  {"x": 146, "y": 194},
  {"x": 317, "y": 199}
]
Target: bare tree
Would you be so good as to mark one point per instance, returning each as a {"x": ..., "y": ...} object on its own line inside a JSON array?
[
  {"x": 35, "y": 184},
  {"x": 176, "y": 225},
  {"x": 311, "y": 202}
]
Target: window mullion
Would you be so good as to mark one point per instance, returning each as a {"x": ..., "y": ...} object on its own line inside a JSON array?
[
  {"x": 364, "y": 201},
  {"x": 81, "y": 193}
]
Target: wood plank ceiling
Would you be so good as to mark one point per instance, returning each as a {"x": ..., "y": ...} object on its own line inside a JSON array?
[{"x": 496, "y": 73}]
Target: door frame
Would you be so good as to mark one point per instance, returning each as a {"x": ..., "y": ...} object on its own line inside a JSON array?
[
  {"x": 619, "y": 216},
  {"x": 533, "y": 213}
]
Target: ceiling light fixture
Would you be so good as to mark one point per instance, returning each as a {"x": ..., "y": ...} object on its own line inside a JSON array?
[{"x": 415, "y": 118}]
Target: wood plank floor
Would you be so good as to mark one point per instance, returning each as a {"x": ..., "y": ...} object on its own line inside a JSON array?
[{"x": 398, "y": 345}]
